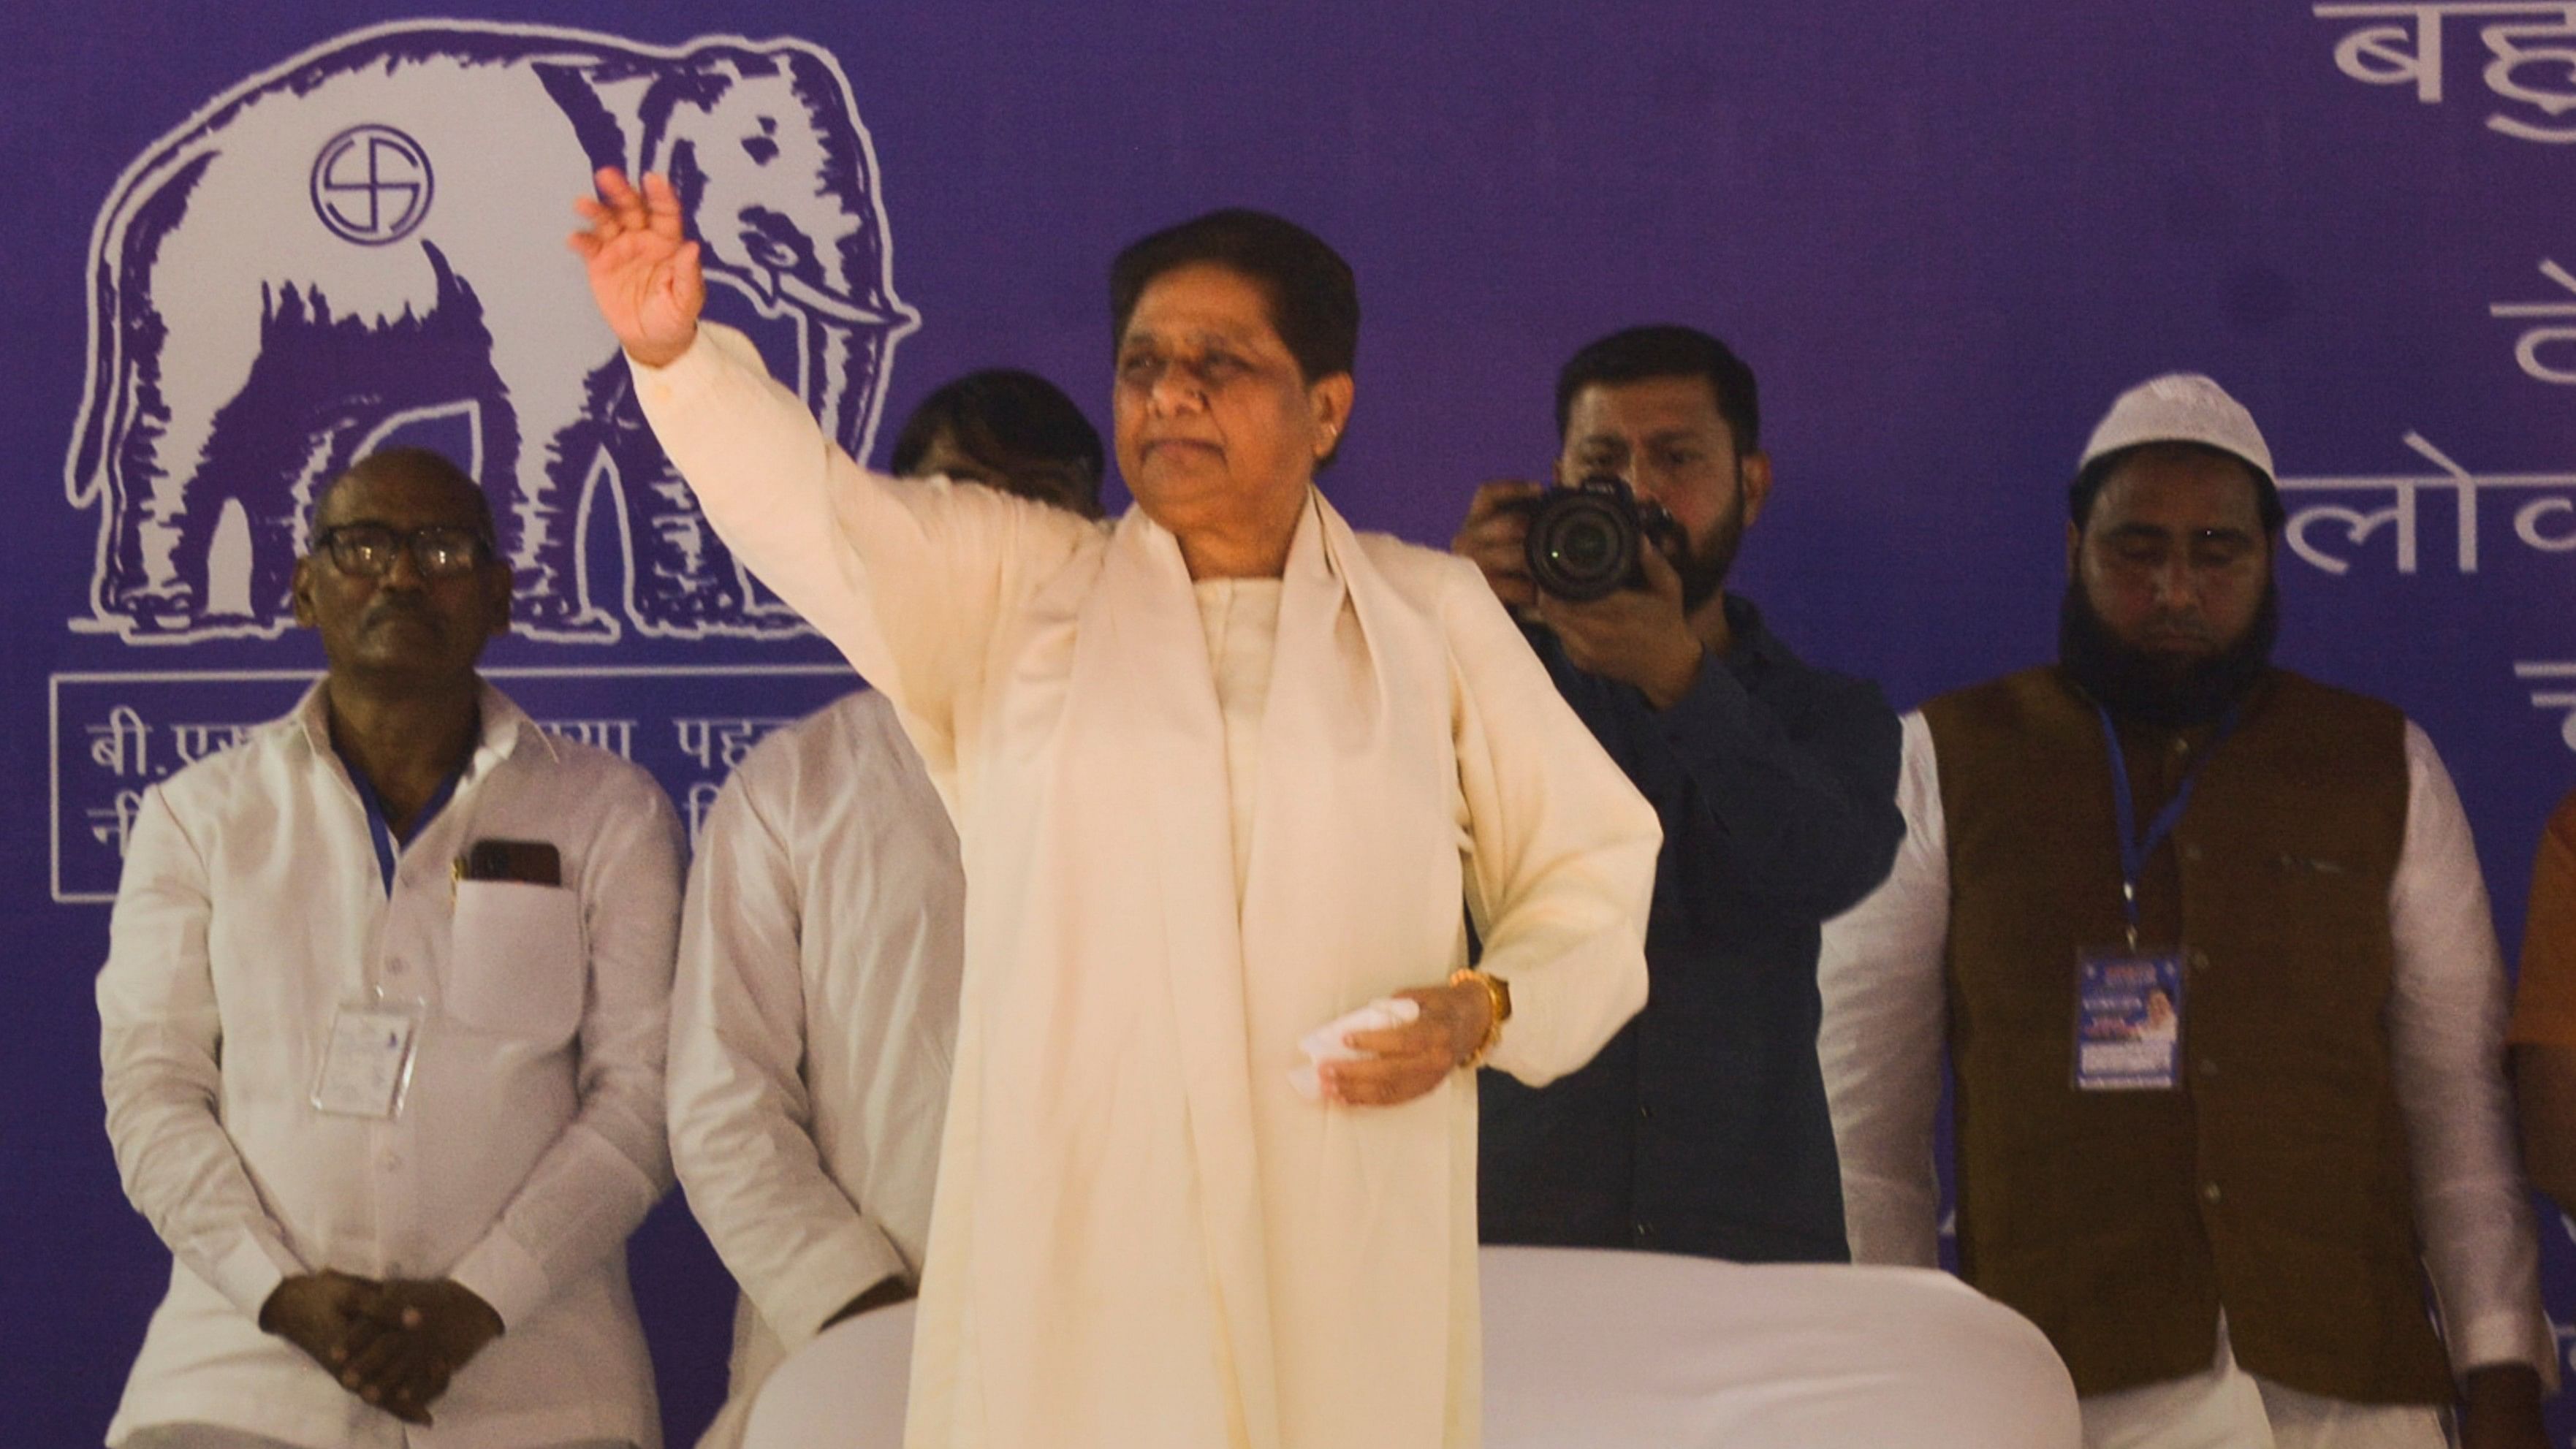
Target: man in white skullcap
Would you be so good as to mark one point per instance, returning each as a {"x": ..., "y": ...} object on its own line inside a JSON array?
[{"x": 2231, "y": 1231}]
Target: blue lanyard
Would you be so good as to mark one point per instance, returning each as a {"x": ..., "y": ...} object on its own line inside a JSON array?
[
  {"x": 2136, "y": 849},
  {"x": 380, "y": 830}
]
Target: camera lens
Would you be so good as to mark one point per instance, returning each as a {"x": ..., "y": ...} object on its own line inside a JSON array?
[
  {"x": 1582, "y": 543},
  {"x": 1585, "y": 546}
]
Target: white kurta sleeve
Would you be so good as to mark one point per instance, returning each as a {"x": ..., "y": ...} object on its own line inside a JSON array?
[
  {"x": 612, "y": 1161},
  {"x": 2446, "y": 1016},
  {"x": 1885, "y": 1027},
  {"x": 1561, "y": 848},
  {"x": 160, "y": 1049},
  {"x": 909, "y": 578},
  {"x": 742, "y": 1120}
]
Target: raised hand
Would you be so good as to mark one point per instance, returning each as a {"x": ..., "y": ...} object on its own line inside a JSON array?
[{"x": 644, "y": 270}]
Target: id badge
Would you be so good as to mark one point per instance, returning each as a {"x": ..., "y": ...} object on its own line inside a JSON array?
[
  {"x": 366, "y": 1060},
  {"x": 2128, "y": 1020}
]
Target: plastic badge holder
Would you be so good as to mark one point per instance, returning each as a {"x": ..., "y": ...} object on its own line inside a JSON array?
[{"x": 367, "y": 1059}]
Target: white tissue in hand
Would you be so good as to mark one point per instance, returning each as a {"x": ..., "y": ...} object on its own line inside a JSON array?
[{"x": 1325, "y": 1044}]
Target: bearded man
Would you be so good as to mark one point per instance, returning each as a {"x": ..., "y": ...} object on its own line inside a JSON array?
[
  {"x": 1701, "y": 1128},
  {"x": 2229, "y": 1225}
]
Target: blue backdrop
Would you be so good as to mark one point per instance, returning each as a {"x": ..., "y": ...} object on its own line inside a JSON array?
[{"x": 243, "y": 243}]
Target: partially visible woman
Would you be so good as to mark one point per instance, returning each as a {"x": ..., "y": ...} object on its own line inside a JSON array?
[
  {"x": 1221, "y": 774},
  {"x": 2543, "y": 1033},
  {"x": 1008, "y": 429}
]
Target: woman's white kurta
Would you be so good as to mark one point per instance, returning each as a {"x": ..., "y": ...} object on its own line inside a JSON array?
[{"x": 1143, "y": 1236}]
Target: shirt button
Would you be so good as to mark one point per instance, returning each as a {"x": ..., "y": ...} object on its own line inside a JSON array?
[
  {"x": 1645, "y": 1231},
  {"x": 2182, "y": 746},
  {"x": 392, "y": 1162},
  {"x": 397, "y": 966},
  {"x": 1645, "y": 1113},
  {"x": 2191, "y": 852},
  {"x": 2209, "y": 1192},
  {"x": 2208, "y": 1067},
  {"x": 2199, "y": 959}
]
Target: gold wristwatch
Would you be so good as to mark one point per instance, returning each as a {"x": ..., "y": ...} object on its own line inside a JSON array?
[{"x": 1498, "y": 995}]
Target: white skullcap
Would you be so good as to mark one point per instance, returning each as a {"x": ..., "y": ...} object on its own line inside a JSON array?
[{"x": 2179, "y": 407}]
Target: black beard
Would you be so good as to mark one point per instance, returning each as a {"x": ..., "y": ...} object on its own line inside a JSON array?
[
  {"x": 1704, "y": 570},
  {"x": 2153, "y": 689}
]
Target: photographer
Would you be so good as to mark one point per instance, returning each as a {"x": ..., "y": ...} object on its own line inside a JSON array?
[{"x": 1702, "y": 1127}]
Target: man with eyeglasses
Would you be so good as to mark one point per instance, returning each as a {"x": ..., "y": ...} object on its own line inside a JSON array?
[{"x": 383, "y": 1028}]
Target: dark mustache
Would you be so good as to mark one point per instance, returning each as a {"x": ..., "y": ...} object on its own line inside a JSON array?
[
  {"x": 387, "y": 606},
  {"x": 2195, "y": 628}
]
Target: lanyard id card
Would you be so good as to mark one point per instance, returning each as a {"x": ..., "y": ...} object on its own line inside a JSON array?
[
  {"x": 367, "y": 1059},
  {"x": 2128, "y": 1020},
  {"x": 2128, "y": 1001}
]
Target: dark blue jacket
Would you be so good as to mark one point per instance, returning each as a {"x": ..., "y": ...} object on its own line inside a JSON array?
[{"x": 1701, "y": 1127}]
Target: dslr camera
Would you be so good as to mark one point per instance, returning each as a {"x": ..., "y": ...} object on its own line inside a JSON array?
[{"x": 1585, "y": 540}]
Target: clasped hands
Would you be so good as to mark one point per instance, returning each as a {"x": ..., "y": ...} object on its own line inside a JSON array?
[{"x": 396, "y": 1343}]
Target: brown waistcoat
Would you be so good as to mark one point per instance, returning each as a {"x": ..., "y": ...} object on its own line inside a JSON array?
[{"x": 2274, "y": 1181}]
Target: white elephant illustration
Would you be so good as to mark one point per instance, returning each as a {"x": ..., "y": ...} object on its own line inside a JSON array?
[{"x": 371, "y": 235}]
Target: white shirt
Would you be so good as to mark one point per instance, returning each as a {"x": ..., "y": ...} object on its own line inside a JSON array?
[
  {"x": 813, "y": 1022},
  {"x": 1886, "y": 1026},
  {"x": 1241, "y": 620},
  {"x": 529, "y": 1143}
]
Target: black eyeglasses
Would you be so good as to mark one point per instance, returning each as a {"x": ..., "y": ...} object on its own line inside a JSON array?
[{"x": 439, "y": 551}]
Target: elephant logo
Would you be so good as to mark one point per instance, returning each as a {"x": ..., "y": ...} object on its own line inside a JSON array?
[{"x": 367, "y": 239}]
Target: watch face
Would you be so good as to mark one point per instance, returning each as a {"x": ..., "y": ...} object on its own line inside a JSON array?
[{"x": 1497, "y": 990}]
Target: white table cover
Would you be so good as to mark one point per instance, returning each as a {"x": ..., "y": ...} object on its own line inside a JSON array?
[
  {"x": 842, "y": 1391},
  {"x": 1603, "y": 1350}
]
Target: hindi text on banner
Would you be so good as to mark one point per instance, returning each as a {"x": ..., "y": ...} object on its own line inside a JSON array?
[
  {"x": 2531, "y": 349},
  {"x": 2530, "y": 51},
  {"x": 2545, "y": 524}
]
